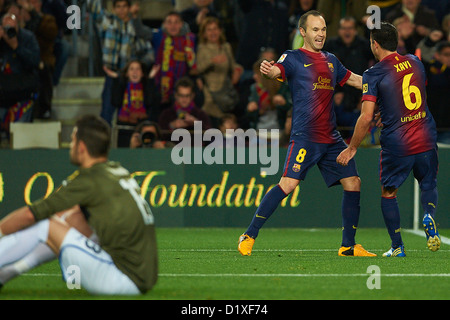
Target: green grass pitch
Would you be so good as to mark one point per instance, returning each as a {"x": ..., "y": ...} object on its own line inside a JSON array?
[{"x": 286, "y": 264}]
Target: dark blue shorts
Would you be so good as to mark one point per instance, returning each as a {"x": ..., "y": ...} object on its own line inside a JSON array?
[
  {"x": 302, "y": 155},
  {"x": 394, "y": 170}
]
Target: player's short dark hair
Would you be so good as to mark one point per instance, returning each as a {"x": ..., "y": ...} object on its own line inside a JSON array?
[
  {"x": 304, "y": 17},
  {"x": 95, "y": 132},
  {"x": 386, "y": 36}
]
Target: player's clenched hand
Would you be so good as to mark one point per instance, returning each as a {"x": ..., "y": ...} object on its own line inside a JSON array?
[
  {"x": 266, "y": 67},
  {"x": 345, "y": 156}
]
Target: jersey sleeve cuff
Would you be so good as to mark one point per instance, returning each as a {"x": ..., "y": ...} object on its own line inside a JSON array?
[
  {"x": 368, "y": 97},
  {"x": 33, "y": 213},
  {"x": 344, "y": 80},
  {"x": 282, "y": 77}
]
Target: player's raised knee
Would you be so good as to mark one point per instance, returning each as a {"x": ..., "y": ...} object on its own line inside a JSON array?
[{"x": 351, "y": 183}]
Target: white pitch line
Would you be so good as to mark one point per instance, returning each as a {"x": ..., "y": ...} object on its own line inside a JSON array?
[
  {"x": 295, "y": 275},
  {"x": 41, "y": 275},
  {"x": 233, "y": 250},
  {"x": 416, "y": 232},
  {"x": 276, "y": 250},
  {"x": 284, "y": 275}
]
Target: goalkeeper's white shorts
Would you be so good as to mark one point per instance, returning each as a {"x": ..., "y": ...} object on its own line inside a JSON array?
[{"x": 85, "y": 264}]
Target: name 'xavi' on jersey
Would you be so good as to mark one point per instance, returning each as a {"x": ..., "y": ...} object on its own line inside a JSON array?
[{"x": 397, "y": 84}]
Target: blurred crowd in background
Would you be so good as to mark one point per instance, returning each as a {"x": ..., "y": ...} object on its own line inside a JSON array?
[{"x": 200, "y": 62}]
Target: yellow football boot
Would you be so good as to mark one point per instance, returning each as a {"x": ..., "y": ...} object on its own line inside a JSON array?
[
  {"x": 245, "y": 245},
  {"x": 355, "y": 251}
]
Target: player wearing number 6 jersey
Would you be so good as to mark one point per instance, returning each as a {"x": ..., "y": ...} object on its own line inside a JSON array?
[
  {"x": 125, "y": 260},
  {"x": 312, "y": 75},
  {"x": 408, "y": 136}
]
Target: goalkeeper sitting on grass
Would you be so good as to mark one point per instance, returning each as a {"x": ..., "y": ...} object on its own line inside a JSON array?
[{"x": 100, "y": 196}]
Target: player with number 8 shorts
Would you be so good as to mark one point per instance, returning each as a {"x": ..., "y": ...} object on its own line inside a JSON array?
[{"x": 312, "y": 75}]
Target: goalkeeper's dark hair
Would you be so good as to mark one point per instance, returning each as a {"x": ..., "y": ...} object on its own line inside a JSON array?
[
  {"x": 95, "y": 132},
  {"x": 386, "y": 36}
]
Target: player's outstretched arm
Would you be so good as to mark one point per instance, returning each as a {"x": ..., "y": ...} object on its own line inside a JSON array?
[
  {"x": 361, "y": 128},
  {"x": 16, "y": 220},
  {"x": 268, "y": 70},
  {"x": 355, "y": 80}
]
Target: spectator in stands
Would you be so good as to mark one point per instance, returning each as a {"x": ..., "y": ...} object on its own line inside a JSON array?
[
  {"x": 196, "y": 14},
  {"x": 183, "y": 112},
  {"x": 351, "y": 49},
  {"x": 296, "y": 9},
  {"x": 216, "y": 64},
  {"x": 423, "y": 19},
  {"x": 45, "y": 29},
  {"x": 282, "y": 111},
  {"x": 19, "y": 60},
  {"x": 227, "y": 14},
  {"x": 446, "y": 26},
  {"x": 384, "y": 5},
  {"x": 229, "y": 122},
  {"x": 136, "y": 98},
  {"x": 427, "y": 46},
  {"x": 264, "y": 24},
  {"x": 265, "y": 53},
  {"x": 438, "y": 93},
  {"x": 268, "y": 54},
  {"x": 147, "y": 134},
  {"x": 268, "y": 103},
  {"x": 405, "y": 29},
  {"x": 119, "y": 45},
  {"x": 175, "y": 53},
  {"x": 332, "y": 11},
  {"x": 440, "y": 8},
  {"x": 354, "y": 53},
  {"x": 58, "y": 9}
]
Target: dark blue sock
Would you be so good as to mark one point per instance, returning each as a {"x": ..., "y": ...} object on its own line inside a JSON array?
[
  {"x": 265, "y": 209},
  {"x": 391, "y": 215},
  {"x": 350, "y": 217},
  {"x": 429, "y": 200}
]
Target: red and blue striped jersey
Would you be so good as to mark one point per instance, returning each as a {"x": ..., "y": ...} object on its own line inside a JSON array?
[
  {"x": 312, "y": 78},
  {"x": 398, "y": 85}
]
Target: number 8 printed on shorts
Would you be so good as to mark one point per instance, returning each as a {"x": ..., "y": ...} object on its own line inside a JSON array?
[{"x": 301, "y": 155}]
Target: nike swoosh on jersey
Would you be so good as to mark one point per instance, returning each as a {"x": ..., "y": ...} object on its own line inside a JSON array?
[
  {"x": 258, "y": 216},
  {"x": 307, "y": 65}
]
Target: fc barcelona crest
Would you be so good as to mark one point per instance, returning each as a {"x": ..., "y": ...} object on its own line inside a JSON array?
[
  {"x": 296, "y": 167},
  {"x": 330, "y": 66}
]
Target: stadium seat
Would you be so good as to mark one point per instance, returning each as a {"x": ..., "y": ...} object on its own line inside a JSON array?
[{"x": 35, "y": 135}]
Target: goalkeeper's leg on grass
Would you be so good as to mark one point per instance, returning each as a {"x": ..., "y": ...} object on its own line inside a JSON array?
[{"x": 25, "y": 250}]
